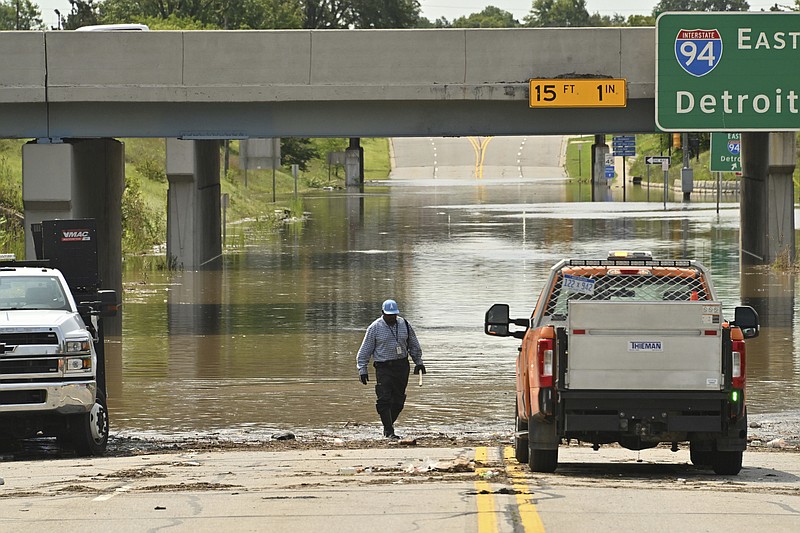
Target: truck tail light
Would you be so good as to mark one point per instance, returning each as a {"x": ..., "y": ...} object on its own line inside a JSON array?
[
  {"x": 738, "y": 368},
  {"x": 544, "y": 352}
]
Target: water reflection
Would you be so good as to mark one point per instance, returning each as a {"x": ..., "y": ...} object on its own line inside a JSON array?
[
  {"x": 771, "y": 357},
  {"x": 269, "y": 342}
]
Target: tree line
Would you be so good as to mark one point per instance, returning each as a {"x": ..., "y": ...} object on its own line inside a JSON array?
[{"x": 332, "y": 14}]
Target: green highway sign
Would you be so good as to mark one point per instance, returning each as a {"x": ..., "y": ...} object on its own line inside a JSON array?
[
  {"x": 728, "y": 71},
  {"x": 726, "y": 152}
]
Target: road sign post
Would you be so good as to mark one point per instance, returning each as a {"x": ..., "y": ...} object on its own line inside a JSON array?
[
  {"x": 664, "y": 162},
  {"x": 624, "y": 145},
  {"x": 727, "y": 71}
]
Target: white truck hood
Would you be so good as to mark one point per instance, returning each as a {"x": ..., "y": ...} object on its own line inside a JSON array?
[{"x": 25, "y": 319}]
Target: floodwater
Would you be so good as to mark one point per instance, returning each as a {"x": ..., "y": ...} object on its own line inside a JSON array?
[{"x": 268, "y": 343}]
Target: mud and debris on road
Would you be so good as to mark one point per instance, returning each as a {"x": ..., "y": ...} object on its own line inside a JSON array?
[{"x": 769, "y": 432}]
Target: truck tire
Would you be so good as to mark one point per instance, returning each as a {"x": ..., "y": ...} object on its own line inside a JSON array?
[
  {"x": 700, "y": 457},
  {"x": 89, "y": 432},
  {"x": 520, "y": 443},
  {"x": 726, "y": 463},
  {"x": 543, "y": 460}
]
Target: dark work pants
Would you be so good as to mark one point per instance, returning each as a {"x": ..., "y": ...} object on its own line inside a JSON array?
[{"x": 391, "y": 380}]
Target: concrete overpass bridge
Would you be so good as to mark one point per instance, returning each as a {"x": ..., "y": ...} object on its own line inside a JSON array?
[
  {"x": 315, "y": 83},
  {"x": 75, "y": 92}
]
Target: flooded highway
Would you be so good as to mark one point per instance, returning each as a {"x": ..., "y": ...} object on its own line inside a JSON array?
[{"x": 268, "y": 343}]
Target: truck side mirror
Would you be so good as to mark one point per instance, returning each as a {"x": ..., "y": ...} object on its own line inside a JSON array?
[
  {"x": 108, "y": 302},
  {"x": 497, "y": 322},
  {"x": 746, "y": 319}
]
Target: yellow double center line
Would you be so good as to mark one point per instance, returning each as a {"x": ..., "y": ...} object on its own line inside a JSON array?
[
  {"x": 487, "y": 511},
  {"x": 479, "y": 144}
]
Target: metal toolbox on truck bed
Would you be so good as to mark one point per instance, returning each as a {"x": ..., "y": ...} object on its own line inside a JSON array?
[{"x": 644, "y": 346}]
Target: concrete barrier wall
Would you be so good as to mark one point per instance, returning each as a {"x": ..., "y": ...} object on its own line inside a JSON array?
[
  {"x": 298, "y": 65},
  {"x": 22, "y": 72}
]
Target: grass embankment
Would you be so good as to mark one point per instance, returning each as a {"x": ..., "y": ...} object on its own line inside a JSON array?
[
  {"x": 12, "y": 237},
  {"x": 144, "y": 202}
]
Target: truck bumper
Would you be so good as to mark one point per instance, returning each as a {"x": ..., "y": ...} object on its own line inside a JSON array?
[
  {"x": 61, "y": 398},
  {"x": 619, "y": 411}
]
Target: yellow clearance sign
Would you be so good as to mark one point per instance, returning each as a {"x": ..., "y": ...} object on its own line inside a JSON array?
[{"x": 585, "y": 92}]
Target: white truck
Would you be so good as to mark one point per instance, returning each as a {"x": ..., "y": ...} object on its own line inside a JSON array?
[
  {"x": 630, "y": 350},
  {"x": 52, "y": 380}
]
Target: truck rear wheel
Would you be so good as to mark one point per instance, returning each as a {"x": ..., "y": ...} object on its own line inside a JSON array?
[
  {"x": 543, "y": 460},
  {"x": 89, "y": 432},
  {"x": 726, "y": 463},
  {"x": 700, "y": 457},
  {"x": 520, "y": 443}
]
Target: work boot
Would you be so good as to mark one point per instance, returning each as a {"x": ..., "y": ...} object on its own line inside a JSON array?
[{"x": 388, "y": 425}]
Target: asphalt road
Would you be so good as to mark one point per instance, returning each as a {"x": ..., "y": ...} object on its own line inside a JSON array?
[
  {"x": 471, "y": 158},
  {"x": 398, "y": 488}
]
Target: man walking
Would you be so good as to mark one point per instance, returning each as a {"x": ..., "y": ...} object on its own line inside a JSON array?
[{"x": 389, "y": 341}]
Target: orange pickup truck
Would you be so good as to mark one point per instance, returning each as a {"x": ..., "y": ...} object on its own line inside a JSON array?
[{"x": 630, "y": 350}]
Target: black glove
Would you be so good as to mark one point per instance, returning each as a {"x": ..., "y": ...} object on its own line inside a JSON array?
[
  {"x": 364, "y": 378},
  {"x": 419, "y": 368}
]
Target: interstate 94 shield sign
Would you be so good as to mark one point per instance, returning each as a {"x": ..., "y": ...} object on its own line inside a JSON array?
[{"x": 698, "y": 51}]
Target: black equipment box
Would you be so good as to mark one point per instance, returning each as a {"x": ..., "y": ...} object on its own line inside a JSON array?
[{"x": 71, "y": 247}]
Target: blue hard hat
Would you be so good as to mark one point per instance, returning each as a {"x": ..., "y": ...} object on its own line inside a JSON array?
[{"x": 390, "y": 308}]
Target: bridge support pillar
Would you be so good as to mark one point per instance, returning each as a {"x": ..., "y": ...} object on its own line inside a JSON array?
[
  {"x": 194, "y": 237},
  {"x": 600, "y": 189},
  {"x": 82, "y": 178},
  {"x": 767, "y": 197},
  {"x": 354, "y": 164}
]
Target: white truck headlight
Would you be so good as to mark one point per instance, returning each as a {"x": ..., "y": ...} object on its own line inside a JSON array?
[
  {"x": 78, "y": 346},
  {"x": 77, "y": 364}
]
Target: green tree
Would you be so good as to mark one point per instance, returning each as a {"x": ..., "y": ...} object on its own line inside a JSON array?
[
  {"x": 82, "y": 13},
  {"x": 383, "y": 13},
  {"x": 490, "y": 17},
  {"x": 614, "y": 20},
  {"x": 641, "y": 20},
  {"x": 20, "y": 15},
  {"x": 441, "y": 22},
  {"x": 297, "y": 151},
  {"x": 558, "y": 13},
  {"x": 267, "y": 14},
  {"x": 700, "y": 5},
  {"x": 172, "y": 22},
  {"x": 262, "y": 14},
  {"x": 329, "y": 14},
  {"x": 325, "y": 14},
  {"x": 221, "y": 14}
]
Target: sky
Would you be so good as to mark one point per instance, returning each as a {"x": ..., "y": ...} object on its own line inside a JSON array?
[{"x": 452, "y": 9}]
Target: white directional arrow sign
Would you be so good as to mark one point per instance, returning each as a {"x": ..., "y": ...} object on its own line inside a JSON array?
[{"x": 658, "y": 160}]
